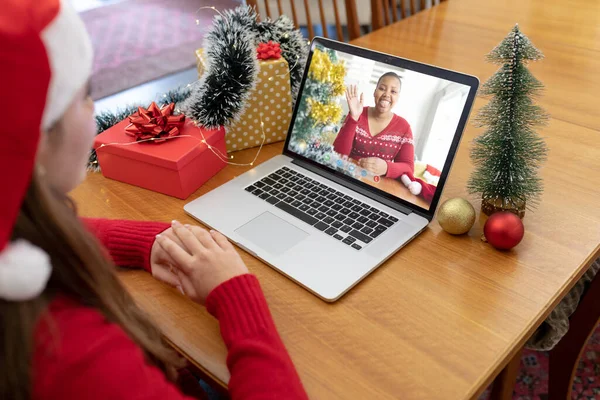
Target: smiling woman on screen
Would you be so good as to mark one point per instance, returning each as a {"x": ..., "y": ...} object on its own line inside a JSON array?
[{"x": 380, "y": 140}]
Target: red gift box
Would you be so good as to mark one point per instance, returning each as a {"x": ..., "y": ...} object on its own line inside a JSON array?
[{"x": 176, "y": 167}]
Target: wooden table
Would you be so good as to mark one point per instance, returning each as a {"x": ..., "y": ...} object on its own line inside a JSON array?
[
  {"x": 443, "y": 316},
  {"x": 392, "y": 186},
  {"x": 395, "y": 187}
]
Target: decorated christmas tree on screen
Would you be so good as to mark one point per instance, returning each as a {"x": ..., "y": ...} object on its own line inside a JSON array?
[{"x": 320, "y": 114}]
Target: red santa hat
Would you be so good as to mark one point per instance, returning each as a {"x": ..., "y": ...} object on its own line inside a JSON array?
[{"x": 45, "y": 58}]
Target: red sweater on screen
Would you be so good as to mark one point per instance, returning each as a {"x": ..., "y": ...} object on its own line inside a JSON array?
[
  {"x": 394, "y": 144},
  {"x": 79, "y": 354}
]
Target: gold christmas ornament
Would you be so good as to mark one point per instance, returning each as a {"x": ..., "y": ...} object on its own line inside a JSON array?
[{"x": 456, "y": 216}]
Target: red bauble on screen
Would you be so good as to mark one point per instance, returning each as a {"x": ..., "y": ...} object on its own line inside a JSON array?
[{"x": 503, "y": 230}]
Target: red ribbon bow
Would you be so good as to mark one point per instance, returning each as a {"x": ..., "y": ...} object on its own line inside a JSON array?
[
  {"x": 268, "y": 50},
  {"x": 155, "y": 123}
]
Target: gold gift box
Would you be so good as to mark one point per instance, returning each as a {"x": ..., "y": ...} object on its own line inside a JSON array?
[{"x": 270, "y": 102}]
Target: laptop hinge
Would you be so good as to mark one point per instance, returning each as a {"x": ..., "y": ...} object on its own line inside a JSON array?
[{"x": 354, "y": 187}]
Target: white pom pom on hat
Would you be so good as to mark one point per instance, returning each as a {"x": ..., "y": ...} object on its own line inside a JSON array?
[
  {"x": 24, "y": 271},
  {"x": 413, "y": 186},
  {"x": 45, "y": 58}
]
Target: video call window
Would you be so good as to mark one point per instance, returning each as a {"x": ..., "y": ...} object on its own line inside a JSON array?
[{"x": 388, "y": 127}]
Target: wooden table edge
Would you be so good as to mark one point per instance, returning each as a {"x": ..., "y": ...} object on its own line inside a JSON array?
[
  {"x": 198, "y": 369},
  {"x": 507, "y": 358}
]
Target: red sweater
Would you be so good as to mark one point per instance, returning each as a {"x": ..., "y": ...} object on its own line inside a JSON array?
[
  {"x": 394, "y": 144},
  {"x": 81, "y": 355}
]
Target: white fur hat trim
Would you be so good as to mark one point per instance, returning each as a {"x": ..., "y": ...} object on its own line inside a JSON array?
[
  {"x": 24, "y": 271},
  {"x": 70, "y": 54}
]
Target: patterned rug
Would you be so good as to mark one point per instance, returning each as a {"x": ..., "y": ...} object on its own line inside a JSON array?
[
  {"x": 137, "y": 41},
  {"x": 532, "y": 381}
]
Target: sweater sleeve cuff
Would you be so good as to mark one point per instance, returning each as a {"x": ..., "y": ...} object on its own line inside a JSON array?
[
  {"x": 130, "y": 242},
  {"x": 390, "y": 170},
  {"x": 241, "y": 308},
  {"x": 351, "y": 121},
  {"x": 396, "y": 169}
]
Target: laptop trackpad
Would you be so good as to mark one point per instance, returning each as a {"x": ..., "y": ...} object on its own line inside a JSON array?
[{"x": 272, "y": 233}]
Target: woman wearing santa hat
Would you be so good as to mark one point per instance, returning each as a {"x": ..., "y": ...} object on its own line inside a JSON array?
[{"x": 68, "y": 329}]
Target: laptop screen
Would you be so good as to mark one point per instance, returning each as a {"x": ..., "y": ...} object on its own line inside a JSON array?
[{"x": 389, "y": 127}]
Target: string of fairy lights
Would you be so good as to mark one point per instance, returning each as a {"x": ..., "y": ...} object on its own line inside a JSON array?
[{"x": 215, "y": 150}]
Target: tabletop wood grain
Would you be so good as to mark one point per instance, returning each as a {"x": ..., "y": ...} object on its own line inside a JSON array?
[{"x": 443, "y": 316}]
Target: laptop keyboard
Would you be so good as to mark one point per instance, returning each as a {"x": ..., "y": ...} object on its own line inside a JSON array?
[{"x": 339, "y": 215}]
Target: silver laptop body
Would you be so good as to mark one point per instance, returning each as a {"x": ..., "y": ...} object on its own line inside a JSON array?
[{"x": 255, "y": 211}]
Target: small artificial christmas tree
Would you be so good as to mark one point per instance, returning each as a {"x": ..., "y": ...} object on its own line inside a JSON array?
[{"x": 508, "y": 154}]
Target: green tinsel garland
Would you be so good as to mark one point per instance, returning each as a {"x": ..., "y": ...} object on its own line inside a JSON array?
[{"x": 221, "y": 95}]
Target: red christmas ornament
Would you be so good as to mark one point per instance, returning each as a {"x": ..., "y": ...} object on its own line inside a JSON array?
[
  {"x": 504, "y": 230},
  {"x": 268, "y": 50}
]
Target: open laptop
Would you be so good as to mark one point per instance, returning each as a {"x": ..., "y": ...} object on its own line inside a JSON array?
[{"x": 318, "y": 214}]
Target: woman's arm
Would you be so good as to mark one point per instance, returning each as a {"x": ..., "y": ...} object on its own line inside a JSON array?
[
  {"x": 405, "y": 159},
  {"x": 345, "y": 138},
  {"x": 213, "y": 273},
  {"x": 257, "y": 359},
  {"x": 93, "y": 359},
  {"x": 129, "y": 243}
]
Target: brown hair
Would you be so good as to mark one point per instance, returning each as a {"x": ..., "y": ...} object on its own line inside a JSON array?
[{"x": 81, "y": 271}]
